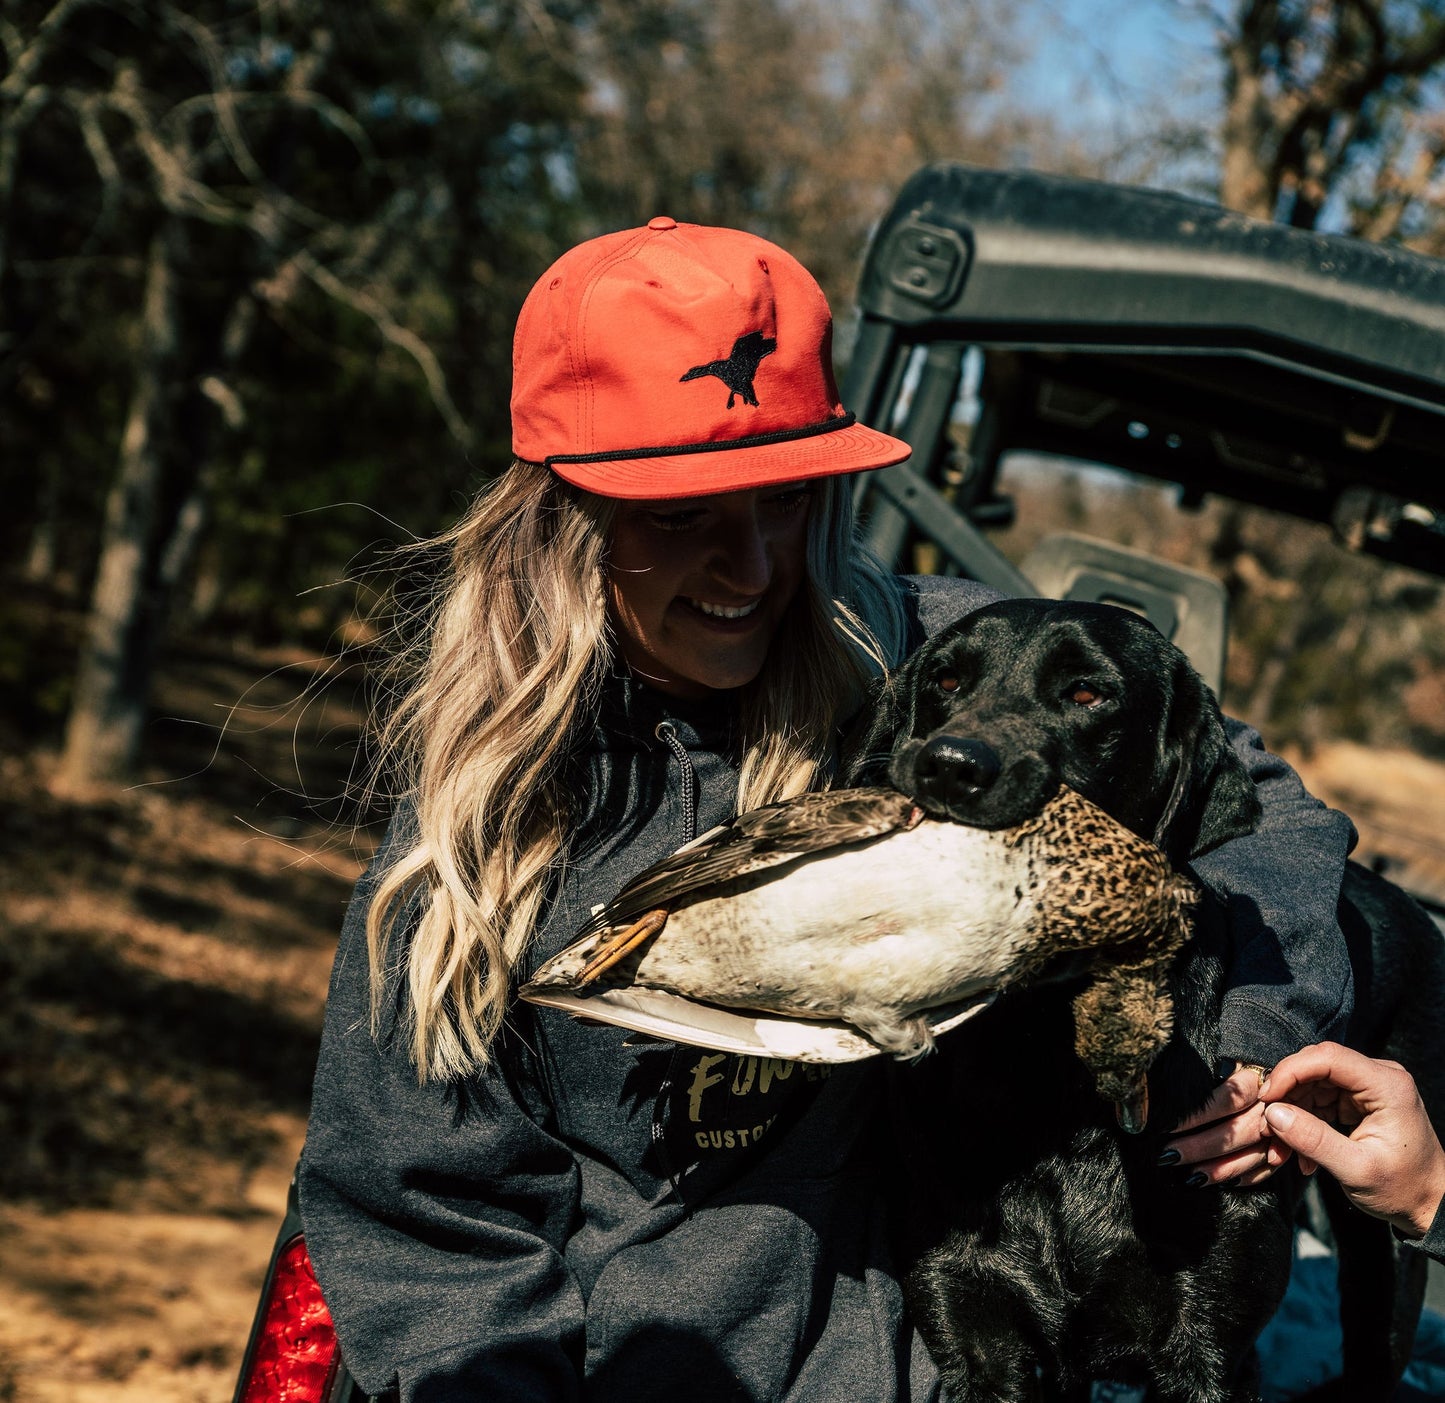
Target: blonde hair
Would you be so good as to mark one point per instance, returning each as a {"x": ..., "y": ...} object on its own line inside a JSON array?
[{"x": 490, "y": 699}]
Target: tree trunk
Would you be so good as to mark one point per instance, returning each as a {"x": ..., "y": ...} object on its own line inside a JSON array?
[
  {"x": 41, "y": 559},
  {"x": 1264, "y": 695},
  {"x": 1247, "y": 180},
  {"x": 112, "y": 688},
  {"x": 208, "y": 588}
]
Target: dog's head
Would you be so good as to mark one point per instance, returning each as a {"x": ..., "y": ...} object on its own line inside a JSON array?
[{"x": 990, "y": 716}]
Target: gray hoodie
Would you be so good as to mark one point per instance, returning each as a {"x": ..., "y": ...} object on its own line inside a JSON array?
[{"x": 660, "y": 1222}]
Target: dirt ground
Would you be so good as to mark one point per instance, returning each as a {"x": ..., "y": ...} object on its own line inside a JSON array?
[
  {"x": 1397, "y": 801},
  {"x": 164, "y": 957}
]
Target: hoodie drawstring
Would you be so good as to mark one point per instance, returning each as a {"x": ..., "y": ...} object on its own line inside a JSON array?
[{"x": 666, "y": 732}]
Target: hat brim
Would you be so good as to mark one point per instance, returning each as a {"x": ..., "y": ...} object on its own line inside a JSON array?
[{"x": 662, "y": 476}]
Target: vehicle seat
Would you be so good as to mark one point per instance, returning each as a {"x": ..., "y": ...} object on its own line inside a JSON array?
[{"x": 1188, "y": 607}]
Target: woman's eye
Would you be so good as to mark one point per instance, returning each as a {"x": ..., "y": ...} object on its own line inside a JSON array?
[
  {"x": 675, "y": 521},
  {"x": 1083, "y": 694},
  {"x": 791, "y": 500}
]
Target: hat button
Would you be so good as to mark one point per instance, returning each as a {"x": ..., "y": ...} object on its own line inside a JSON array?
[{"x": 662, "y": 222}]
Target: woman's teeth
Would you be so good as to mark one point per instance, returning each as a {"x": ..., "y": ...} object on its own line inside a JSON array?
[{"x": 722, "y": 611}]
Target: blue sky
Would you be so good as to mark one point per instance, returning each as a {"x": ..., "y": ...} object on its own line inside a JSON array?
[{"x": 1115, "y": 70}]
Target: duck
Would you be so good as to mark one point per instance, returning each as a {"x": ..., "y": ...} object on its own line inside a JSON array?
[{"x": 849, "y": 923}]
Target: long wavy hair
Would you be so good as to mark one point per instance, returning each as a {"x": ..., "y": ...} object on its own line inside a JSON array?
[{"x": 489, "y": 698}]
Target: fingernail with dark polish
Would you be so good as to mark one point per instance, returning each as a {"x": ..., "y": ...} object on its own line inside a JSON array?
[
  {"x": 1196, "y": 1180},
  {"x": 1223, "y": 1068},
  {"x": 1168, "y": 1157}
]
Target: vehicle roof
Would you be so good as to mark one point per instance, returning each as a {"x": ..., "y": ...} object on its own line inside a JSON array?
[
  {"x": 1054, "y": 260},
  {"x": 1314, "y": 362}
]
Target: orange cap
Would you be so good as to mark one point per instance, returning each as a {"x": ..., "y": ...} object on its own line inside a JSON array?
[{"x": 680, "y": 360}]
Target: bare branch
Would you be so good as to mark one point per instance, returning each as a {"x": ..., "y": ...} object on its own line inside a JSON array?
[
  {"x": 233, "y": 411},
  {"x": 1307, "y": 87},
  {"x": 327, "y": 110},
  {"x": 11, "y": 41},
  {"x": 225, "y": 102},
  {"x": 541, "y": 20},
  {"x": 86, "y": 108},
  {"x": 398, "y": 335},
  {"x": 176, "y": 188},
  {"x": 33, "y": 54},
  {"x": 31, "y": 103},
  {"x": 1397, "y": 192},
  {"x": 1369, "y": 14},
  {"x": 1417, "y": 56},
  {"x": 223, "y": 98},
  {"x": 1355, "y": 77}
]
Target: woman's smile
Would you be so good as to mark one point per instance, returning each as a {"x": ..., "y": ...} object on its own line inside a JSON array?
[{"x": 724, "y": 613}]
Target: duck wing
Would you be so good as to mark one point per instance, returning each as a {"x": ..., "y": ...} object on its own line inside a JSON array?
[
  {"x": 653, "y": 1014},
  {"x": 756, "y": 840}
]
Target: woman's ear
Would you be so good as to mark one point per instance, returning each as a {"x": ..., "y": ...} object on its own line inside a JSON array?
[{"x": 1211, "y": 796}]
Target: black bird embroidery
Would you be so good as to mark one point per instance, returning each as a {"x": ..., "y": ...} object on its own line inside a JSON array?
[{"x": 737, "y": 371}]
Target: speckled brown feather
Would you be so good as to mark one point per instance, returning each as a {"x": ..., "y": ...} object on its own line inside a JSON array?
[
  {"x": 1125, "y": 887},
  {"x": 1125, "y": 1016}
]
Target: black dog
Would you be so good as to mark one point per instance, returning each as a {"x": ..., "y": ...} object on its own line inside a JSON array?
[{"x": 1050, "y": 1248}]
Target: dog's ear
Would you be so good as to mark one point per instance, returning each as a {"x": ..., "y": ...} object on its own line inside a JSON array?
[
  {"x": 1211, "y": 796},
  {"x": 867, "y": 744}
]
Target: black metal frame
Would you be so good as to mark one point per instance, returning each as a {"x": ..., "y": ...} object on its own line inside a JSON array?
[{"x": 1169, "y": 337}]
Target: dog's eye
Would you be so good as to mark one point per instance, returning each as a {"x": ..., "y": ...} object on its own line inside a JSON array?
[
  {"x": 1083, "y": 694},
  {"x": 948, "y": 683}
]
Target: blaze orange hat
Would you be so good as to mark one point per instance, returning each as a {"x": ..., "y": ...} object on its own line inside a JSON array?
[{"x": 680, "y": 360}]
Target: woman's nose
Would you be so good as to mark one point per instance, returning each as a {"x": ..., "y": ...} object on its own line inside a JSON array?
[{"x": 744, "y": 557}]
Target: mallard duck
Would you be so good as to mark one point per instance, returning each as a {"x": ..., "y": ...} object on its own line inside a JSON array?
[{"x": 855, "y": 924}]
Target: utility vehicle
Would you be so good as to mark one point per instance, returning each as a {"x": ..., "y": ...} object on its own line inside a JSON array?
[{"x": 1011, "y": 312}]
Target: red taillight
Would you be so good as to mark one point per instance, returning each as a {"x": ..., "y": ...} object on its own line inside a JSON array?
[{"x": 294, "y": 1358}]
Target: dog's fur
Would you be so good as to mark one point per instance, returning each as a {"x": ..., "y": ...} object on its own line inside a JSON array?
[{"x": 1050, "y": 1248}]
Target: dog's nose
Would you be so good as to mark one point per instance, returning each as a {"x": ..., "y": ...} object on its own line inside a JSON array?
[{"x": 949, "y": 771}]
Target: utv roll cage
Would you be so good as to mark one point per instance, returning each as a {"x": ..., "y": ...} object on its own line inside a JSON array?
[
  {"x": 1126, "y": 327},
  {"x": 1169, "y": 337}
]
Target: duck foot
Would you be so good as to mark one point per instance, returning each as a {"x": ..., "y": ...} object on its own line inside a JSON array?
[{"x": 621, "y": 944}]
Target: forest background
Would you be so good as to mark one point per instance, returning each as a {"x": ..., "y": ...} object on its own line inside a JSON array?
[{"x": 259, "y": 264}]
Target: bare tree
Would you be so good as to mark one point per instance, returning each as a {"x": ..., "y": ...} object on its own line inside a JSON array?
[
  {"x": 795, "y": 118},
  {"x": 183, "y": 144},
  {"x": 103, "y": 735},
  {"x": 1334, "y": 102}
]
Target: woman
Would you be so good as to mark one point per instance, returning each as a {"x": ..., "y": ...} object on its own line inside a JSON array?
[{"x": 655, "y": 619}]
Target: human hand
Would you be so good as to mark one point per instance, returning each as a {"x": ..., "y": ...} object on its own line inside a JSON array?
[
  {"x": 1390, "y": 1163},
  {"x": 1230, "y": 1143}
]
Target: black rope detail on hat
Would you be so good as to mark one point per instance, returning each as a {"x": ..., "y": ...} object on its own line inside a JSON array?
[{"x": 828, "y": 426}]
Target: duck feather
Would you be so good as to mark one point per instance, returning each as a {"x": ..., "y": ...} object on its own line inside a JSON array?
[{"x": 758, "y": 840}]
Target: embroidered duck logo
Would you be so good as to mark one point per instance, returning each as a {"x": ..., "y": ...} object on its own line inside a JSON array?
[{"x": 737, "y": 371}]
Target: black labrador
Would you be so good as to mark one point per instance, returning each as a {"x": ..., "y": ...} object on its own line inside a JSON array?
[{"x": 1050, "y": 1247}]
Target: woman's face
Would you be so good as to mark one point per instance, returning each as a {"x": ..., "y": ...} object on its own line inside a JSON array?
[{"x": 698, "y": 586}]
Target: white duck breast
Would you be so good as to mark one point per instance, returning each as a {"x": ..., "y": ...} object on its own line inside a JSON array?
[
  {"x": 851, "y": 906},
  {"x": 852, "y": 932}
]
